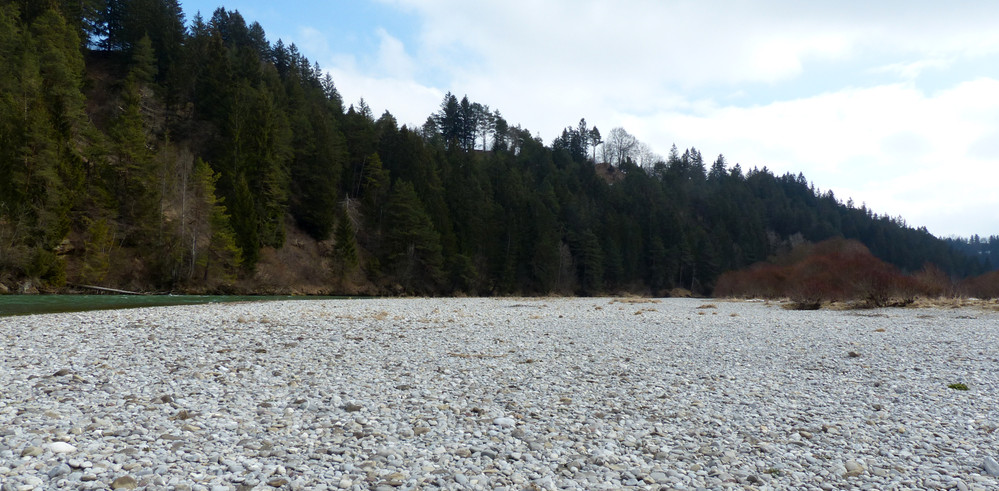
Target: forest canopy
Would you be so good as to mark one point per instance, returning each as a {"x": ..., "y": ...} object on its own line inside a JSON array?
[{"x": 147, "y": 151}]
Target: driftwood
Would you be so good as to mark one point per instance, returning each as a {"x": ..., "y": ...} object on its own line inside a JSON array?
[{"x": 109, "y": 290}]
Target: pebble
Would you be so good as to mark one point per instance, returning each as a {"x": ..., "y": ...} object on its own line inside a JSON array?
[
  {"x": 498, "y": 394},
  {"x": 991, "y": 466},
  {"x": 32, "y": 451},
  {"x": 853, "y": 468},
  {"x": 61, "y": 447},
  {"x": 124, "y": 482},
  {"x": 59, "y": 470}
]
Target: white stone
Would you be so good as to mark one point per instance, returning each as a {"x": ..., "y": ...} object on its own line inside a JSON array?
[{"x": 61, "y": 447}]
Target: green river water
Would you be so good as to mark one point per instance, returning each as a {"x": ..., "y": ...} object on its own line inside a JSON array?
[{"x": 47, "y": 304}]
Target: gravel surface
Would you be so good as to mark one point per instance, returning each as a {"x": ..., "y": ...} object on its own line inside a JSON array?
[{"x": 592, "y": 393}]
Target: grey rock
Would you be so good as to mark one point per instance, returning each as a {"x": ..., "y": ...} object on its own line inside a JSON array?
[
  {"x": 32, "y": 451},
  {"x": 991, "y": 466},
  {"x": 124, "y": 482},
  {"x": 59, "y": 470}
]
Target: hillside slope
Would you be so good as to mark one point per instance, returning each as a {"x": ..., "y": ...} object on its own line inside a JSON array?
[{"x": 144, "y": 155}]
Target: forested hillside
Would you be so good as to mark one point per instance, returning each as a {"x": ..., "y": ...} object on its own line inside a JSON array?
[
  {"x": 985, "y": 249},
  {"x": 142, "y": 151}
]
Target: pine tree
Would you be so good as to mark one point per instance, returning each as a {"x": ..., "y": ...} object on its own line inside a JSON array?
[
  {"x": 359, "y": 133},
  {"x": 213, "y": 256},
  {"x": 319, "y": 155},
  {"x": 412, "y": 246},
  {"x": 85, "y": 16},
  {"x": 254, "y": 169},
  {"x": 98, "y": 243},
  {"x": 136, "y": 182},
  {"x": 344, "y": 245},
  {"x": 595, "y": 140},
  {"x": 43, "y": 129},
  {"x": 143, "y": 66},
  {"x": 13, "y": 105},
  {"x": 589, "y": 258},
  {"x": 449, "y": 122},
  {"x": 375, "y": 190}
]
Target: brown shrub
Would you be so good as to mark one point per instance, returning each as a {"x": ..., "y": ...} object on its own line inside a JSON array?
[
  {"x": 760, "y": 280},
  {"x": 835, "y": 270},
  {"x": 932, "y": 282},
  {"x": 984, "y": 286}
]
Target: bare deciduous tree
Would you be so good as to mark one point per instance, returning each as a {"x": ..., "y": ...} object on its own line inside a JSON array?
[
  {"x": 645, "y": 157},
  {"x": 620, "y": 145}
]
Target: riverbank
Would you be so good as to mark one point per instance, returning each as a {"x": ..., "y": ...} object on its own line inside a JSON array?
[
  {"x": 484, "y": 393},
  {"x": 50, "y": 304}
]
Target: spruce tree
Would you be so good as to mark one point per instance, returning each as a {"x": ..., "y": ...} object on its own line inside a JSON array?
[
  {"x": 137, "y": 187},
  {"x": 412, "y": 246},
  {"x": 221, "y": 257},
  {"x": 44, "y": 127},
  {"x": 344, "y": 245},
  {"x": 319, "y": 155}
]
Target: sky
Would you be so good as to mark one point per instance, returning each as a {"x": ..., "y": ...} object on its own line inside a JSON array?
[{"x": 893, "y": 104}]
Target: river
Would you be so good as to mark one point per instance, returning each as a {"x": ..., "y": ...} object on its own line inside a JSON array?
[{"x": 47, "y": 304}]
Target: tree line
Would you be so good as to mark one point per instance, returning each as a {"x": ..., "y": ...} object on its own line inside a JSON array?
[
  {"x": 986, "y": 249},
  {"x": 144, "y": 151}
]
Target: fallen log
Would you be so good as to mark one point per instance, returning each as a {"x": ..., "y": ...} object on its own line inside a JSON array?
[{"x": 109, "y": 290}]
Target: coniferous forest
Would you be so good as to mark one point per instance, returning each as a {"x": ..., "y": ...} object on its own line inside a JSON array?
[{"x": 146, "y": 151}]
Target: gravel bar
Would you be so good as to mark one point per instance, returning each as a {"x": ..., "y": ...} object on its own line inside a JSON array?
[{"x": 580, "y": 393}]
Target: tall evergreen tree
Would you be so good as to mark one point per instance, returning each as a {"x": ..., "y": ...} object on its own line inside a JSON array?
[
  {"x": 44, "y": 128},
  {"x": 136, "y": 181},
  {"x": 319, "y": 156},
  {"x": 212, "y": 256},
  {"x": 345, "y": 257},
  {"x": 412, "y": 246}
]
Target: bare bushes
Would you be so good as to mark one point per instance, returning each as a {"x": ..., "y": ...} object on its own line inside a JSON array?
[
  {"x": 985, "y": 286},
  {"x": 835, "y": 270}
]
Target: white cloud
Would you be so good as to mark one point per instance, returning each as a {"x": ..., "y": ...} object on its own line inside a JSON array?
[
  {"x": 409, "y": 101},
  {"x": 671, "y": 72},
  {"x": 691, "y": 42},
  {"x": 312, "y": 40},
  {"x": 912, "y": 71},
  {"x": 929, "y": 158},
  {"x": 393, "y": 61},
  {"x": 386, "y": 79}
]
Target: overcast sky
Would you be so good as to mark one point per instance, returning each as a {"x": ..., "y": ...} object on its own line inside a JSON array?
[{"x": 893, "y": 103}]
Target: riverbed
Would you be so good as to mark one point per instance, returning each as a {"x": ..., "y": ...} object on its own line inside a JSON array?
[{"x": 582, "y": 393}]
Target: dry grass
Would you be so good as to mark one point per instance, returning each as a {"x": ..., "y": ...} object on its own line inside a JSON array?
[
  {"x": 475, "y": 355},
  {"x": 950, "y": 302},
  {"x": 635, "y": 300},
  {"x": 802, "y": 305},
  {"x": 916, "y": 303},
  {"x": 680, "y": 293}
]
